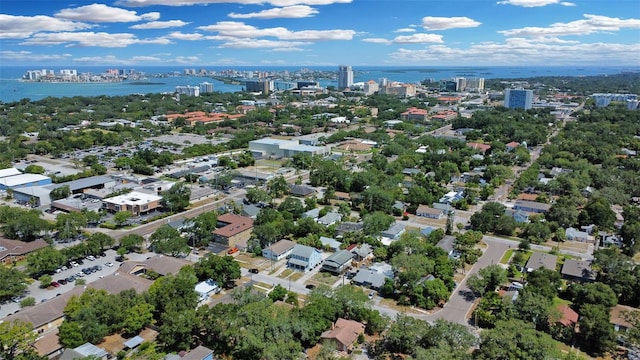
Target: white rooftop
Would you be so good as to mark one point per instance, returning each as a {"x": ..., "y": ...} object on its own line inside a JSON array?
[
  {"x": 133, "y": 198},
  {"x": 22, "y": 179},
  {"x": 9, "y": 172}
]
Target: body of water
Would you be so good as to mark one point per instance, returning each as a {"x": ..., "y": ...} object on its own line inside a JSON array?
[{"x": 12, "y": 89}]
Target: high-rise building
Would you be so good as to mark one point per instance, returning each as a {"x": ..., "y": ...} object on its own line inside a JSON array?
[
  {"x": 264, "y": 86},
  {"x": 206, "y": 87},
  {"x": 188, "y": 90},
  {"x": 370, "y": 87},
  {"x": 345, "y": 76},
  {"x": 518, "y": 99}
]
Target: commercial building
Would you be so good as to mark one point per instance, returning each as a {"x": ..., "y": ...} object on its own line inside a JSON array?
[
  {"x": 262, "y": 86},
  {"x": 518, "y": 99},
  {"x": 23, "y": 180},
  {"x": 135, "y": 201},
  {"x": 370, "y": 87},
  {"x": 188, "y": 90},
  {"x": 270, "y": 147},
  {"x": 345, "y": 77},
  {"x": 603, "y": 100}
]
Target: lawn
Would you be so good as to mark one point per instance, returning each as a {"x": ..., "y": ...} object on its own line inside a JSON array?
[
  {"x": 325, "y": 278},
  {"x": 285, "y": 273},
  {"x": 557, "y": 302},
  {"x": 507, "y": 256}
]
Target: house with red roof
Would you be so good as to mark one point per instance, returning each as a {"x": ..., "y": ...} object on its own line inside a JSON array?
[
  {"x": 233, "y": 229},
  {"x": 415, "y": 114},
  {"x": 343, "y": 334},
  {"x": 478, "y": 146}
]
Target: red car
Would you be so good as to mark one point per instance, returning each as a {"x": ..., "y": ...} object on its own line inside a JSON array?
[{"x": 55, "y": 284}]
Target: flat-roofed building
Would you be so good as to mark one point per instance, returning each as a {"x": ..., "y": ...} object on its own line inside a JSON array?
[
  {"x": 23, "y": 180},
  {"x": 285, "y": 148},
  {"x": 137, "y": 202}
]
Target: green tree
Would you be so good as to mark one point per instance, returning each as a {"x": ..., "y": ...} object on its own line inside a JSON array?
[
  {"x": 257, "y": 195},
  {"x": 202, "y": 227},
  {"x": 45, "y": 260},
  {"x": 121, "y": 217},
  {"x": 223, "y": 269},
  {"x": 487, "y": 279},
  {"x": 16, "y": 340},
  {"x": 167, "y": 240},
  {"x": 544, "y": 282},
  {"x": 101, "y": 240},
  {"x": 277, "y": 186},
  {"x": 515, "y": 339},
  {"x": 70, "y": 224},
  {"x": 278, "y": 293},
  {"x": 136, "y": 317},
  {"x": 12, "y": 282},
  {"x": 131, "y": 242},
  {"x": 34, "y": 169},
  {"x": 376, "y": 222},
  {"x": 293, "y": 206},
  {"x": 176, "y": 198},
  {"x": 595, "y": 328},
  {"x": 60, "y": 192},
  {"x": 25, "y": 225}
]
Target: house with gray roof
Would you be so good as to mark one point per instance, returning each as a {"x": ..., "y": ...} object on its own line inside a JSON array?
[
  {"x": 301, "y": 190},
  {"x": 531, "y": 206},
  {"x": 304, "y": 258},
  {"x": 250, "y": 210},
  {"x": 541, "y": 260},
  {"x": 374, "y": 276},
  {"x": 330, "y": 218},
  {"x": 313, "y": 213},
  {"x": 347, "y": 227},
  {"x": 362, "y": 252},
  {"x": 578, "y": 271},
  {"x": 330, "y": 243},
  {"x": 576, "y": 235},
  {"x": 338, "y": 262},
  {"x": 392, "y": 233}
]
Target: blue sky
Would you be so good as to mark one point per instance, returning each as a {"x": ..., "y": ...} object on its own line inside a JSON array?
[{"x": 319, "y": 32}]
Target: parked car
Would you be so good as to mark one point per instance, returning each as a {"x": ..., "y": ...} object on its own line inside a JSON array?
[
  {"x": 109, "y": 264},
  {"x": 62, "y": 281},
  {"x": 80, "y": 261},
  {"x": 74, "y": 264},
  {"x": 91, "y": 258},
  {"x": 233, "y": 250},
  {"x": 254, "y": 271},
  {"x": 372, "y": 294},
  {"x": 55, "y": 284},
  {"x": 310, "y": 286}
]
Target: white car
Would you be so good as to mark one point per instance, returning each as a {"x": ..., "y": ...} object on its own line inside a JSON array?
[
  {"x": 371, "y": 295},
  {"x": 74, "y": 264},
  {"x": 109, "y": 264},
  {"x": 91, "y": 258}
]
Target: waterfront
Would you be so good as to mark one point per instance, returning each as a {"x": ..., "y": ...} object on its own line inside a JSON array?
[{"x": 12, "y": 89}]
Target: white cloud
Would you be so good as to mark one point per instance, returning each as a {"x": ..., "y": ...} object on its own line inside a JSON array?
[
  {"x": 182, "y": 36},
  {"x": 591, "y": 24},
  {"x": 187, "y": 59},
  {"x": 260, "y": 44},
  {"x": 405, "y": 30},
  {"x": 160, "y": 24},
  {"x": 407, "y": 39},
  {"x": 90, "y": 39},
  {"x": 141, "y": 3},
  {"x": 19, "y": 27},
  {"x": 101, "y": 13},
  {"x": 377, "y": 40},
  {"x": 514, "y": 50},
  {"x": 444, "y": 23},
  {"x": 28, "y": 56},
  {"x": 418, "y": 39},
  {"x": 243, "y": 31},
  {"x": 145, "y": 58},
  {"x": 293, "y": 12},
  {"x": 287, "y": 49},
  {"x": 534, "y": 3}
]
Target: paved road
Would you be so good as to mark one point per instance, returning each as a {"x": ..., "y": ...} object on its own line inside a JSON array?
[{"x": 459, "y": 305}]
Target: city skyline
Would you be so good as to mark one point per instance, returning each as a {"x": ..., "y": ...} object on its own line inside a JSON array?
[{"x": 319, "y": 33}]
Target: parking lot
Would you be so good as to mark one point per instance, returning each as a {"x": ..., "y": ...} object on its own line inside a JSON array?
[{"x": 101, "y": 269}]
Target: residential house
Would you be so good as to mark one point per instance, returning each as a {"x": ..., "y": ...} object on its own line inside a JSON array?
[
  {"x": 84, "y": 351},
  {"x": 199, "y": 353},
  {"x": 521, "y": 217},
  {"x": 578, "y": 271},
  {"x": 337, "y": 262},
  {"x": 279, "y": 250},
  {"x": 446, "y": 208},
  {"x": 541, "y": 260},
  {"x": 341, "y": 195},
  {"x": 573, "y": 234},
  {"x": 531, "y": 206},
  {"x": 330, "y": 218},
  {"x": 374, "y": 276},
  {"x": 347, "y": 227},
  {"x": 447, "y": 243},
  {"x": 313, "y": 213},
  {"x": 250, "y": 210},
  {"x": 607, "y": 239},
  {"x": 429, "y": 212},
  {"x": 343, "y": 334},
  {"x": 330, "y": 243},
  {"x": 568, "y": 316},
  {"x": 301, "y": 190},
  {"x": 304, "y": 258},
  {"x": 392, "y": 233},
  {"x": 362, "y": 252},
  {"x": 512, "y": 145},
  {"x": 233, "y": 229},
  {"x": 617, "y": 317},
  {"x": 159, "y": 264},
  {"x": 478, "y": 146}
]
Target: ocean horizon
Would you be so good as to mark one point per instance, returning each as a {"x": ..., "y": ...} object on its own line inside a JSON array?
[{"x": 13, "y": 89}]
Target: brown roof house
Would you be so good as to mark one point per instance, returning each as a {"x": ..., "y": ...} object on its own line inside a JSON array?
[
  {"x": 617, "y": 317},
  {"x": 343, "y": 334},
  {"x": 233, "y": 229},
  {"x": 568, "y": 316},
  {"x": 279, "y": 250},
  {"x": 14, "y": 250}
]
